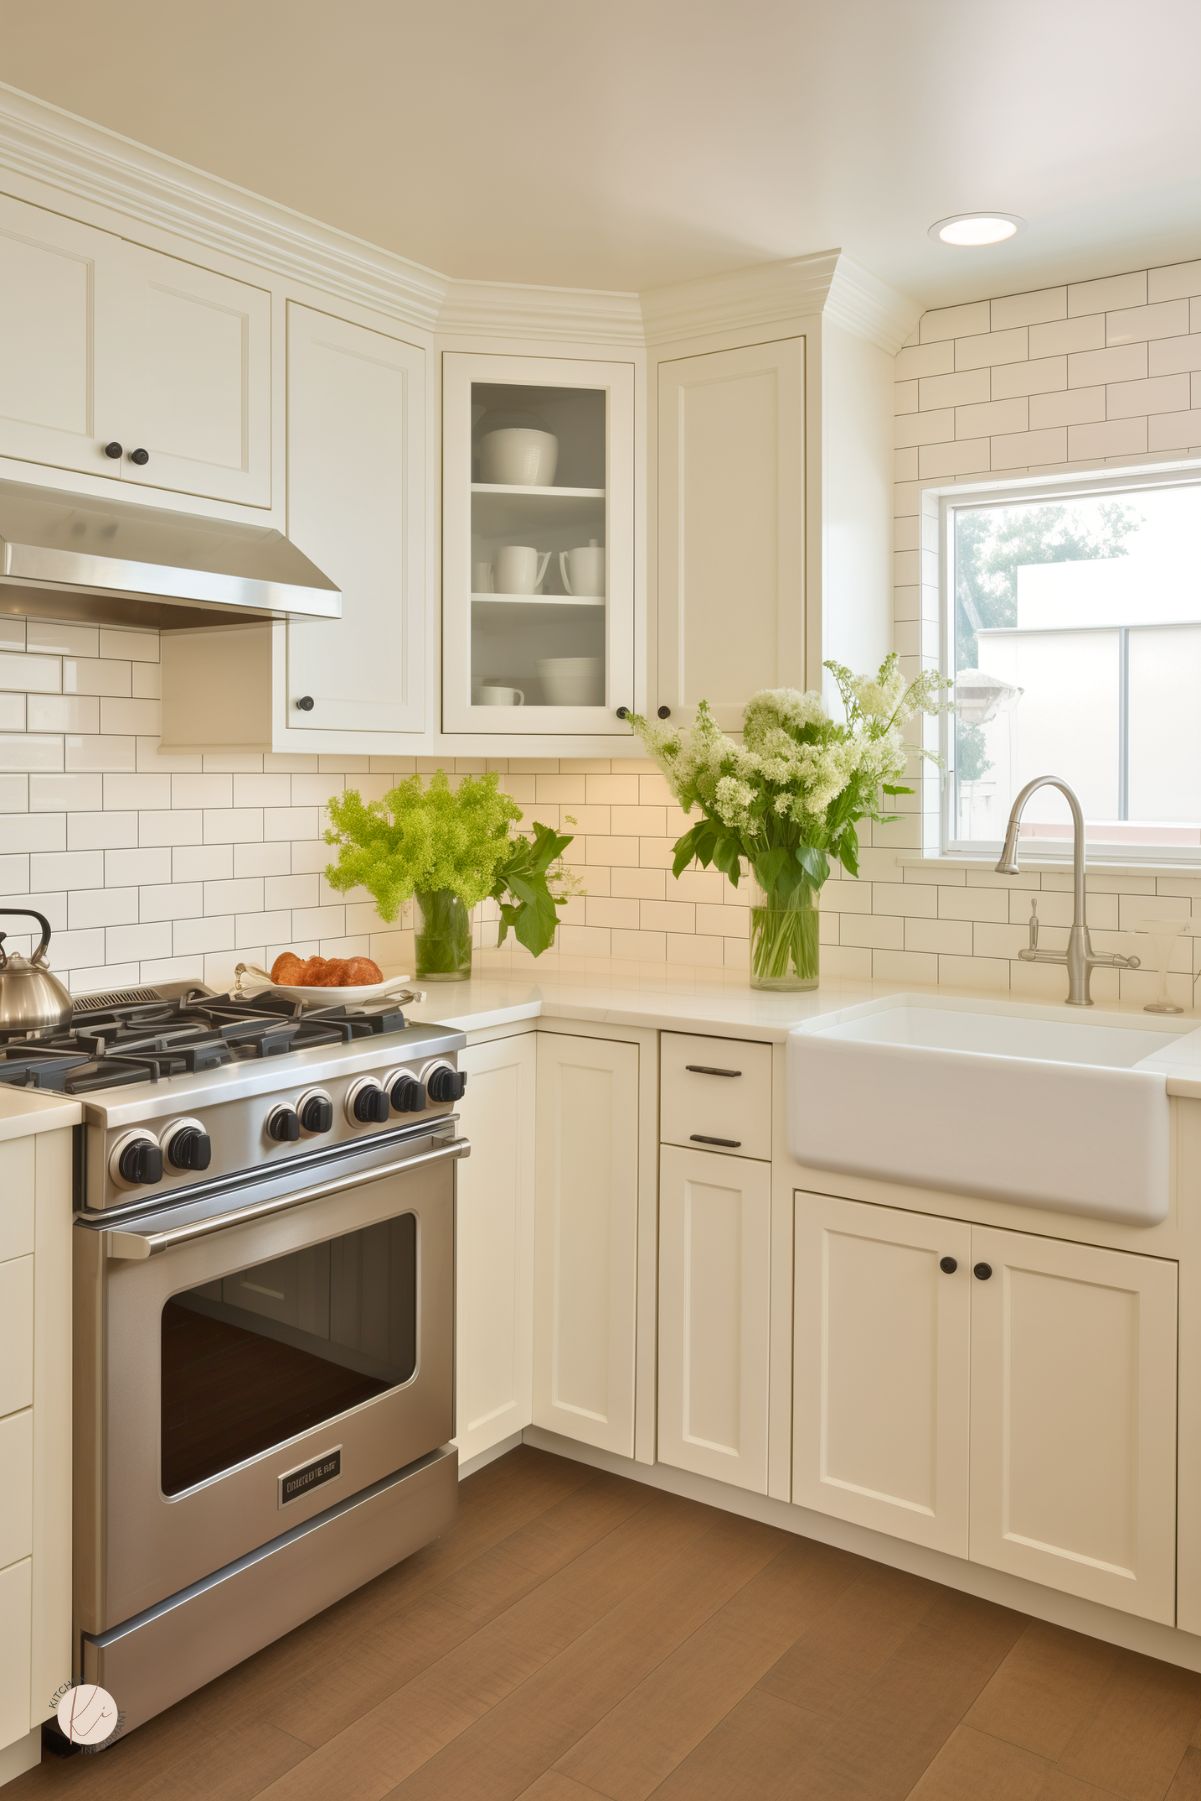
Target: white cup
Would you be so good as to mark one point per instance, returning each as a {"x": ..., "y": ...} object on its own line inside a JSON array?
[
  {"x": 481, "y": 578},
  {"x": 520, "y": 569},
  {"x": 583, "y": 569},
  {"x": 518, "y": 456},
  {"x": 493, "y": 694}
]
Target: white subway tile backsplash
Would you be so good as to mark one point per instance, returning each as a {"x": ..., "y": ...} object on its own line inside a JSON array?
[
  {"x": 93, "y": 675},
  {"x": 134, "y": 716},
  {"x": 1167, "y": 319},
  {"x": 122, "y": 867},
  {"x": 30, "y": 675},
  {"x": 1017, "y": 450},
  {"x": 955, "y": 321},
  {"x": 1120, "y": 362},
  {"x": 993, "y": 347},
  {"x": 129, "y": 645},
  {"x": 1170, "y": 355},
  {"x": 61, "y": 640},
  {"x": 1043, "y": 376},
  {"x": 1159, "y": 394},
  {"x": 32, "y": 831},
  {"x": 1029, "y": 309},
  {"x": 1174, "y": 431},
  {"x": 1108, "y": 292},
  {"x": 1111, "y": 437},
  {"x": 1071, "y": 406},
  {"x": 67, "y": 869},
  {"x": 12, "y": 713},
  {"x": 100, "y": 831},
  {"x": 102, "y": 906},
  {"x": 92, "y": 752}
]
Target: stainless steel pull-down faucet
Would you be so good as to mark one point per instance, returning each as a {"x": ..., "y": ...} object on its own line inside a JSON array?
[{"x": 1080, "y": 957}]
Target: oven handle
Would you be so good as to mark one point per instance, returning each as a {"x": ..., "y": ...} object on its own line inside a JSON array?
[{"x": 137, "y": 1246}]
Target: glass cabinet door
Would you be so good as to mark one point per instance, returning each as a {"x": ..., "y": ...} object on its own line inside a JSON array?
[{"x": 538, "y": 554}]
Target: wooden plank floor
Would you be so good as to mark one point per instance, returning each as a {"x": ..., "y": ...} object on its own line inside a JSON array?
[{"x": 577, "y": 1635}]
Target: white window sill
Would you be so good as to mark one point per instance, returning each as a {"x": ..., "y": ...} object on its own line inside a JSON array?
[{"x": 1096, "y": 864}]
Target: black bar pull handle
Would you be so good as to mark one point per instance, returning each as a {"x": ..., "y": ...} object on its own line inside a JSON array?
[
  {"x": 729, "y": 1144},
  {"x": 709, "y": 1069}
]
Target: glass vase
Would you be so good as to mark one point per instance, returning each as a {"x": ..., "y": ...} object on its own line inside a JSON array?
[
  {"x": 443, "y": 938},
  {"x": 785, "y": 950}
]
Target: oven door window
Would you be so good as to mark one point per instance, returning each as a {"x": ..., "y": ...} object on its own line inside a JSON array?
[{"x": 283, "y": 1347}]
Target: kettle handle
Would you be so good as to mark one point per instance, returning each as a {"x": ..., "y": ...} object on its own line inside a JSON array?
[{"x": 39, "y": 955}]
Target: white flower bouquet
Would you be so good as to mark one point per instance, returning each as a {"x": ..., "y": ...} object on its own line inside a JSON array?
[{"x": 789, "y": 797}]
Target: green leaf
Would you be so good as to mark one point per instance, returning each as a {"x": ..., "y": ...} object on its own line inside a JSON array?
[
  {"x": 893, "y": 788},
  {"x": 814, "y": 862}
]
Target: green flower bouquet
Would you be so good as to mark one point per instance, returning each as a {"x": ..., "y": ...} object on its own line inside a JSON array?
[
  {"x": 789, "y": 797},
  {"x": 448, "y": 849}
]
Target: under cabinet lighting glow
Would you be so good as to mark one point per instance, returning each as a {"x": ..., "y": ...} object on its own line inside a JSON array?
[{"x": 970, "y": 230}]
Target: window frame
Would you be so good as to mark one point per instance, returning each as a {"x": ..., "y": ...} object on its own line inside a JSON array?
[{"x": 972, "y": 496}]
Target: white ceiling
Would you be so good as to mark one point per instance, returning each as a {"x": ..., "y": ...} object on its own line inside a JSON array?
[{"x": 625, "y": 143}]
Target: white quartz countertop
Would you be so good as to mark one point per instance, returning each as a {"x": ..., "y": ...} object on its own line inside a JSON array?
[
  {"x": 678, "y": 998},
  {"x": 23, "y": 1110}
]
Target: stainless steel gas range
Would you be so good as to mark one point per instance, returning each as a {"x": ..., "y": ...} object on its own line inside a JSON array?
[{"x": 264, "y": 1326}]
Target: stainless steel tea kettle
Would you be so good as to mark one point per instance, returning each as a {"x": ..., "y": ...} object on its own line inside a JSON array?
[{"x": 30, "y": 997}]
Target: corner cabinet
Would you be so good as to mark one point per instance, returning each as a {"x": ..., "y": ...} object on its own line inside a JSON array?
[
  {"x": 538, "y": 588},
  {"x": 999, "y": 1396},
  {"x": 122, "y": 362}
]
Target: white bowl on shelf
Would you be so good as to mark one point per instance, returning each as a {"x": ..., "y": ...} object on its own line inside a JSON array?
[
  {"x": 572, "y": 681},
  {"x": 517, "y": 456}
]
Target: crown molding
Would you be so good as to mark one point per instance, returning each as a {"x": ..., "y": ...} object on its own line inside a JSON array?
[
  {"x": 60, "y": 149},
  {"x": 860, "y": 302},
  {"x": 571, "y": 315},
  {"x": 766, "y": 296}
]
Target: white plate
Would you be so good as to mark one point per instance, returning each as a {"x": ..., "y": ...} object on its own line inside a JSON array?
[{"x": 249, "y": 983}]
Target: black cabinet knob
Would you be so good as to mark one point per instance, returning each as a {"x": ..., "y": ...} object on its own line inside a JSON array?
[
  {"x": 982, "y": 1271},
  {"x": 114, "y": 449},
  {"x": 140, "y": 457},
  {"x": 948, "y": 1265},
  {"x": 407, "y": 1095},
  {"x": 141, "y": 1163},
  {"x": 283, "y": 1125},
  {"x": 446, "y": 1084},
  {"x": 189, "y": 1148},
  {"x": 664, "y": 712},
  {"x": 317, "y": 1113},
  {"x": 623, "y": 712},
  {"x": 305, "y": 704}
]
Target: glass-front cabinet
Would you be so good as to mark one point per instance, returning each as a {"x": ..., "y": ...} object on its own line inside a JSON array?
[{"x": 538, "y": 551}]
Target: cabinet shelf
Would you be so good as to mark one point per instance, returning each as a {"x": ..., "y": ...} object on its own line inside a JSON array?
[
  {"x": 541, "y": 493},
  {"x": 550, "y": 606},
  {"x": 496, "y": 510}
]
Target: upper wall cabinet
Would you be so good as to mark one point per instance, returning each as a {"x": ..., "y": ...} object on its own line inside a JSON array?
[
  {"x": 356, "y": 506},
  {"x": 731, "y": 509},
  {"x": 119, "y": 361},
  {"x": 538, "y": 545}
]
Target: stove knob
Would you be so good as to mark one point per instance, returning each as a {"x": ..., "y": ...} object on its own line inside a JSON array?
[
  {"x": 407, "y": 1095},
  {"x": 369, "y": 1105},
  {"x": 446, "y": 1084},
  {"x": 316, "y": 1112},
  {"x": 189, "y": 1147},
  {"x": 283, "y": 1125},
  {"x": 138, "y": 1163}
]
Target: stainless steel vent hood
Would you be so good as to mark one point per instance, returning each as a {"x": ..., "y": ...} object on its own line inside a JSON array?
[{"x": 76, "y": 556}]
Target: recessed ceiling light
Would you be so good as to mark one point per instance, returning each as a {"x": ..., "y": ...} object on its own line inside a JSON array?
[{"x": 970, "y": 230}]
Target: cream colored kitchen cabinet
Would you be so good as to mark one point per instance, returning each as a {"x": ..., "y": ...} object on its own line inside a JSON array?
[
  {"x": 880, "y": 1383},
  {"x": 714, "y": 1315},
  {"x": 586, "y": 1240},
  {"x": 731, "y": 510},
  {"x": 1073, "y": 1458},
  {"x": 356, "y": 506},
  {"x": 716, "y": 1094},
  {"x": 538, "y": 465},
  {"x": 119, "y": 361},
  {"x": 494, "y": 1245},
  {"x": 35, "y": 1436},
  {"x": 993, "y": 1394}
]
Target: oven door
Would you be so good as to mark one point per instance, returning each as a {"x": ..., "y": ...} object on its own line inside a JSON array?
[{"x": 251, "y": 1358}]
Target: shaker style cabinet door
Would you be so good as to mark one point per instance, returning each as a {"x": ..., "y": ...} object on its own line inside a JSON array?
[
  {"x": 494, "y": 1245},
  {"x": 585, "y": 1240},
  {"x": 58, "y": 297},
  {"x": 190, "y": 379},
  {"x": 714, "y": 1313},
  {"x": 537, "y": 545},
  {"x": 356, "y": 506},
  {"x": 1073, "y": 1459},
  {"x": 731, "y": 509},
  {"x": 880, "y": 1430}
]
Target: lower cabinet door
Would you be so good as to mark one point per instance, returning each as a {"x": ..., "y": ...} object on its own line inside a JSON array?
[
  {"x": 1073, "y": 1450},
  {"x": 585, "y": 1240},
  {"x": 16, "y": 1627},
  {"x": 714, "y": 1312},
  {"x": 880, "y": 1383},
  {"x": 494, "y": 1245}
]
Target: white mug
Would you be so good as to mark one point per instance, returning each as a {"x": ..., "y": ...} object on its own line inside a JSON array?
[
  {"x": 493, "y": 694},
  {"x": 520, "y": 569},
  {"x": 481, "y": 578},
  {"x": 583, "y": 569}
]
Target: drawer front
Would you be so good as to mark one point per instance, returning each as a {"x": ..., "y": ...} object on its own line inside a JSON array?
[
  {"x": 16, "y": 1486},
  {"x": 716, "y": 1094},
  {"x": 16, "y": 1334},
  {"x": 16, "y": 1197},
  {"x": 16, "y": 1621}
]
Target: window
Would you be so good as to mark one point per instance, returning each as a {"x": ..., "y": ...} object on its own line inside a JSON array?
[{"x": 1073, "y": 627}]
